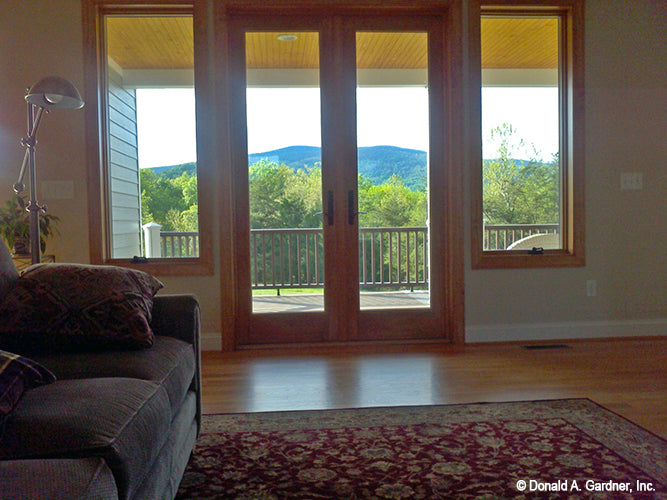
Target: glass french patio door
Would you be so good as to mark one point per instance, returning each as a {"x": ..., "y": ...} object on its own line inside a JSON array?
[{"x": 336, "y": 175}]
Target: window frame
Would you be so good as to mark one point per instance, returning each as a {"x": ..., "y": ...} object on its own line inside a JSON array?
[
  {"x": 96, "y": 116},
  {"x": 571, "y": 103}
]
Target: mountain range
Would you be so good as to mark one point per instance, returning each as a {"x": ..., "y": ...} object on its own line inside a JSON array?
[{"x": 376, "y": 163}]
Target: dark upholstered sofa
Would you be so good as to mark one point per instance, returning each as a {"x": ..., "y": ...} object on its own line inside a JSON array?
[{"x": 116, "y": 423}]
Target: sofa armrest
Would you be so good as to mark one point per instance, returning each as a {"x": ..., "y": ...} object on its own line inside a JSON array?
[
  {"x": 176, "y": 316},
  {"x": 179, "y": 316}
]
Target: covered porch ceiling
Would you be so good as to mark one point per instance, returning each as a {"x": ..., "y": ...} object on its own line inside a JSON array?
[{"x": 158, "y": 51}]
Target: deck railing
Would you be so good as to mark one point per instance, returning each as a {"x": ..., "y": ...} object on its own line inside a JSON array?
[
  {"x": 389, "y": 257},
  {"x": 393, "y": 257},
  {"x": 294, "y": 258},
  {"x": 179, "y": 244},
  {"x": 501, "y": 236},
  {"x": 286, "y": 258}
]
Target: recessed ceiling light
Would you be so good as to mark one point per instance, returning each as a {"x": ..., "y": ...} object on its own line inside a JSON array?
[{"x": 287, "y": 38}]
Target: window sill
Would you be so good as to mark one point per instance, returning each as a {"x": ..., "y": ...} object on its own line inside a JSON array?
[
  {"x": 516, "y": 259},
  {"x": 167, "y": 267}
]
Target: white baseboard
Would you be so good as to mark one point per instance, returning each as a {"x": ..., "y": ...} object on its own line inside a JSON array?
[{"x": 523, "y": 332}]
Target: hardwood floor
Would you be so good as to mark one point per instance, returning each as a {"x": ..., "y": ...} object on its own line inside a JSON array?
[{"x": 626, "y": 376}]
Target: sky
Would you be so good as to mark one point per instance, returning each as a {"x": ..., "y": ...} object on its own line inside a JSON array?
[
  {"x": 532, "y": 111},
  {"x": 385, "y": 116}
]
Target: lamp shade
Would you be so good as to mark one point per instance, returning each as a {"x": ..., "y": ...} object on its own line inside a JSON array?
[{"x": 54, "y": 92}]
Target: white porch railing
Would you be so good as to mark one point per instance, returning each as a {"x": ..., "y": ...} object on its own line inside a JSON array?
[{"x": 501, "y": 236}]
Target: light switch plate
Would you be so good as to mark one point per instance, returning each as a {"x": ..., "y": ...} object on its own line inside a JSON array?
[{"x": 632, "y": 181}]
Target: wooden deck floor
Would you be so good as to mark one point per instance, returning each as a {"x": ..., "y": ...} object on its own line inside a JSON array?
[{"x": 302, "y": 302}]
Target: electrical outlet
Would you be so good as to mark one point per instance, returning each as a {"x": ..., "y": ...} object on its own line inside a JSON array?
[
  {"x": 591, "y": 288},
  {"x": 632, "y": 181}
]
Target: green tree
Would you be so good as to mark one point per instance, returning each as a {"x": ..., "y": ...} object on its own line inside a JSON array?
[
  {"x": 283, "y": 198},
  {"x": 188, "y": 185},
  {"x": 172, "y": 203},
  {"x": 517, "y": 191},
  {"x": 392, "y": 204},
  {"x": 267, "y": 181},
  {"x": 543, "y": 191}
]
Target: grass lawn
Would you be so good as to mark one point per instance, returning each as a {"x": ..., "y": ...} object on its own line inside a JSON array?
[
  {"x": 292, "y": 291},
  {"x": 287, "y": 291}
]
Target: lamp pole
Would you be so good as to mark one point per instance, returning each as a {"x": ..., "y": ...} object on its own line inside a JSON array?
[
  {"x": 33, "y": 207},
  {"x": 49, "y": 92}
]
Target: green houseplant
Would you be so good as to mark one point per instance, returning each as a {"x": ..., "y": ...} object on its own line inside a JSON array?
[{"x": 15, "y": 225}]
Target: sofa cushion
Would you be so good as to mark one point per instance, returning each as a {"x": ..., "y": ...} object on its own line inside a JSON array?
[
  {"x": 8, "y": 272},
  {"x": 124, "y": 421},
  {"x": 170, "y": 362},
  {"x": 18, "y": 374},
  {"x": 72, "y": 307}
]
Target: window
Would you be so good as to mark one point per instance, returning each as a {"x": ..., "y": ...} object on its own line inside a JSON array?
[
  {"x": 528, "y": 188},
  {"x": 147, "y": 141}
]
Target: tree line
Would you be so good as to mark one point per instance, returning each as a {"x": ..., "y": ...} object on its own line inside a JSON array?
[
  {"x": 514, "y": 192},
  {"x": 281, "y": 197}
]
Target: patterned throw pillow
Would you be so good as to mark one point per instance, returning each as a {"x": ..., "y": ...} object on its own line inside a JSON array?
[
  {"x": 73, "y": 307},
  {"x": 18, "y": 374}
]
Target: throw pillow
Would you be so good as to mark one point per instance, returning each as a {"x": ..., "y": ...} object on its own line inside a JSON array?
[
  {"x": 8, "y": 272},
  {"x": 17, "y": 375},
  {"x": 73, "y": 307}
]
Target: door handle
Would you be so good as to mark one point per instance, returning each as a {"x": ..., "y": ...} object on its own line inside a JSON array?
[
  {"x": 351, "y": 209},
  {"x": 329, "y": 209}
]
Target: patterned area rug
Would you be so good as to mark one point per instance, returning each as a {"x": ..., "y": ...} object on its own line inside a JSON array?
[{"x": 542, "y": 449}]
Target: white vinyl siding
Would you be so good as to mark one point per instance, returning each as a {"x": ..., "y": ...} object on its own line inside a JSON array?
[{"x": 123, "y": 170}]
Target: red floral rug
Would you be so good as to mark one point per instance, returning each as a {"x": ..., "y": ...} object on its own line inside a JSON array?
[{"x": 541, "y": 449}]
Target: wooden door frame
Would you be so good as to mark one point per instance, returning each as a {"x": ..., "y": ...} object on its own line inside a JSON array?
[
  {"x": 424, "y": 324},
  {"x": 339, "y": 173},
  {"x": 447, "y": 178},
  {"x": 265, "y": 328}
]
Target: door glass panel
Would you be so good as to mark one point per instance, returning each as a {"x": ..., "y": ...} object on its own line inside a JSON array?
[
  {"x": 393, "y": 144},
  {"x": 151, "y": 137},
  {"x": 520, "y": 132},
  {"x": 285, "y": 176}
]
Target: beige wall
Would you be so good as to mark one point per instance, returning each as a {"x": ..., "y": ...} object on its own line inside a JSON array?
[
  {"x": 626, "y": 238},
  {"x": 38, "y": 39},
  {"x": 626, "y": 131}
]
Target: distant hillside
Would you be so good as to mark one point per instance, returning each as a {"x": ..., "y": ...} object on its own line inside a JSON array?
[
  {"x": 292, "y": 156},
  {"x": 173, "y": 171},
  {"x": 377, "y": 163}
]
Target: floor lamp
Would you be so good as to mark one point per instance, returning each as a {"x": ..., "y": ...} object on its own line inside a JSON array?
[{"x": 51, "y": 92}]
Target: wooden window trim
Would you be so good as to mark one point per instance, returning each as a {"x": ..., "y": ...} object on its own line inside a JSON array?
[
  {"x": 572, "y": 136},
  {"x": 93, "y": 12}
]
